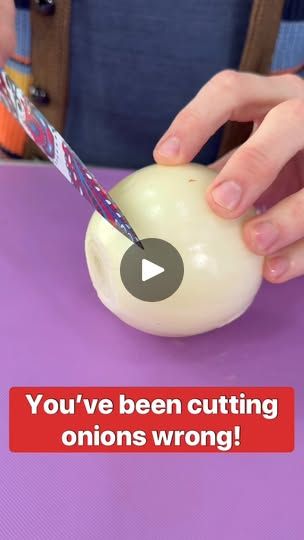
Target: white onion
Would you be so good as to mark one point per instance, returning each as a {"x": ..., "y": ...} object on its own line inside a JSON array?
[{"x": 221, "y": 275}]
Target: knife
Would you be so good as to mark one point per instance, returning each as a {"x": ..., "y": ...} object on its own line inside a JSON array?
[{"x": 56, "y": 149}]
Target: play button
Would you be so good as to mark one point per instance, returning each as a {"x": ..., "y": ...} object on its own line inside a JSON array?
[
  {"x": 152, "y": 272},
  {"x": 149, "y": 270}
]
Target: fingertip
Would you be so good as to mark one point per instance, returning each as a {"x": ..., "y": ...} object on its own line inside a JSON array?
[
  {"x": 268, "y": 277},
  {"x": 168, "y": 150},
  {"x": 218, "y": 209},
  {"x": 276, "y": 269},
  {"x": 162, "y": 160},
  {"x": 272, "y": 279}
]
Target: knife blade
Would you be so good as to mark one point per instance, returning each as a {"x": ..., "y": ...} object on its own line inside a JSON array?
[{"x": 57, "y": 150}]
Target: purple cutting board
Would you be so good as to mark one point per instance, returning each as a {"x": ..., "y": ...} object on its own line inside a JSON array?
[{"x": 54, "y": 331}]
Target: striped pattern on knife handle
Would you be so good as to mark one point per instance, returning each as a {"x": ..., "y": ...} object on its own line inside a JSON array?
[{"x": 61, "y": 155}]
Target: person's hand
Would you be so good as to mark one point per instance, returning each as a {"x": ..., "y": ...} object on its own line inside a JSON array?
[
  {"x": 268, "y": 168},
  {"x": 7, "y": 30}
]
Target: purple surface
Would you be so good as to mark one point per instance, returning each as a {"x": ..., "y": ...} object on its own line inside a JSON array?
[{"x": 51, "y": 329}]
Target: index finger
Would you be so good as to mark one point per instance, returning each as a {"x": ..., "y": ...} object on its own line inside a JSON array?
[{"x": 229, "y": 95}]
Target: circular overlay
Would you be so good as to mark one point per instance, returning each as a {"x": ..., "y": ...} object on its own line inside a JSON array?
[{"x": 152, "y": 270}]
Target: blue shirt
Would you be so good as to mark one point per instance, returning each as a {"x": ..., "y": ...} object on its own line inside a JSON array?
[{"x": 135, "y": 64}]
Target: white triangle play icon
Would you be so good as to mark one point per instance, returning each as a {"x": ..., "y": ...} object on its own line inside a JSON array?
[{"x": 150, "y": 270}]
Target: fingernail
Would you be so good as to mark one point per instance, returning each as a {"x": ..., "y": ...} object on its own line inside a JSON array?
[
  {"x": 264, "y": 235},
  {"x": 227, "y": 195},
  {"x": 278, "y": 266},
  {"x": 169, "y": 148}
]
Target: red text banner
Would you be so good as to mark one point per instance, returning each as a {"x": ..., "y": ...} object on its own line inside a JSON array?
[{"x": 151, "y": 419}]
